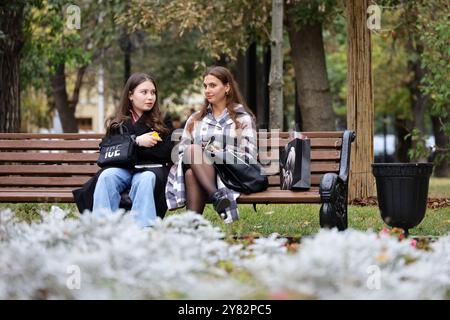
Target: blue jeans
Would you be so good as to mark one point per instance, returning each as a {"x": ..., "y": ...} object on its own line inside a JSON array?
[{"x": 113, "y": 181}]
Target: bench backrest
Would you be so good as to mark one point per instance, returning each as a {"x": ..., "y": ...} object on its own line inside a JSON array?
[{"x": 68, "y": 160}]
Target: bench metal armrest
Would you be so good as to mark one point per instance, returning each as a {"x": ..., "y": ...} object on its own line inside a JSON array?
[
  {"x": 347, "y": 139},
  {"x": 333, "y": 189}
]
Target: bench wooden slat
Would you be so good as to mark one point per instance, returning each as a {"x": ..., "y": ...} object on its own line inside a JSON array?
[
  {"x": 78, "y": 136},
  {"x": 45, "y": 157},
  {"x": 280, "y": 196},
  {"x": 53, "y": 144},
  {"x": 315, "y": 166},
  {"x": 69, "y": 189},
  {"x": 315, "y": 142},
  {"x": 92, "y": 157},
  {"x": 275, "y": 180},
  {"x": 309, "y": 134},
  {"x": 68, "y": 136},
  {"x": 264, "y": 135},
  {"x": 79, "y": 180},
  {"x": 49, "y": 144},
  {"x": 38, "y": 189},
  {"x": 63, "y": 197},
  {"x": 269, "y": 196},
  {"x": 315, "y": 155},
  {"x": 36, "y": 197},
  {"x": 49, "y": 169},
  {"x": 43, "y": 181}
]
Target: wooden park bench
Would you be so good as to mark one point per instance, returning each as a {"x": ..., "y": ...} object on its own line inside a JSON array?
[{"x": 47, "y": 167}]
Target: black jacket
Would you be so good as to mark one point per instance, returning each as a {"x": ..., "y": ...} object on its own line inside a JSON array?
[{"x": 160, "y": 153}]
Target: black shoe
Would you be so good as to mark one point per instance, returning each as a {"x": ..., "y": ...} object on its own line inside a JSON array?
[{"x": 220, "y": 201}]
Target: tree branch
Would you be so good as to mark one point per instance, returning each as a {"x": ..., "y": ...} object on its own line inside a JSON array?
[{"x": 76, "y": 91}]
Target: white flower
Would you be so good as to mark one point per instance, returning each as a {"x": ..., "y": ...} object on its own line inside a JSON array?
[{"x": 184, "y": 256}]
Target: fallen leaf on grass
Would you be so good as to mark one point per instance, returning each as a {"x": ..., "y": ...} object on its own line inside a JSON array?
[
  {"x": 432, "y": 203},
  {"x": 369, "y": 201},
  {"x": 438, "y": 203}
]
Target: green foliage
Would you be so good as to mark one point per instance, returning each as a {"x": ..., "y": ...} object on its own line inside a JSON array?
[
  {"x": 34, "y": 111},
  {"x": 227, "y": 27},
  {"x": 406, "y": 27},
  {"x": 311, "y": 11},
  {"x": 434, "y": 28},
  {"x": 175, "y": 62},
  {"x": 336, "y": 59},
  {"x": 49, "y": 41},
  {"x": 421, "y": 149}
]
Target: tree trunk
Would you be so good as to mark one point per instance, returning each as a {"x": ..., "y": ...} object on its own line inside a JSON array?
[
  {"x": 276, "y": 68},
  {"x": 360, "y": 105},
  {"x": 402, "y": 129},
  {"x": 127, "y": 66},
  {"x": 298, "y": 111},
  {"x": 442, "y": 142},
  {"x": 65, "y": 110},
  {"x": 262, "y": 90},
  {"x": 245, "y": 74},
  {"x": 76, "y": 91},
  {"x": 126, "y": 47},
  {"x": 419, "y": 101},
  {"x": 308, "y": 57},
  {"x": 11, "y": 44}
]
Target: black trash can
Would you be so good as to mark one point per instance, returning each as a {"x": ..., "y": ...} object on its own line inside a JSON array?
[{"x": 402, "y": 190}]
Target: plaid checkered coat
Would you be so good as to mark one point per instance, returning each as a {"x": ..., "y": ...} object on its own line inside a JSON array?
[{"x": 240, "y": 141}]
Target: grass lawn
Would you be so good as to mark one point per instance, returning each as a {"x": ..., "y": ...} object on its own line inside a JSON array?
[
  {"x": 439, "y": 188},
  {"x": 292, "y": 220}
]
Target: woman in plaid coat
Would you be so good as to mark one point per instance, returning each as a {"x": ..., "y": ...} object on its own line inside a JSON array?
[{"x": 223, "y": 123}]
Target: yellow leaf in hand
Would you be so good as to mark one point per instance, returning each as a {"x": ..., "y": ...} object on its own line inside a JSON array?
[{"x": 155, "y": 134}]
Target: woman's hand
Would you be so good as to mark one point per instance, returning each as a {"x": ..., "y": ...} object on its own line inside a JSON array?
[{"x": 148, "y": 140}]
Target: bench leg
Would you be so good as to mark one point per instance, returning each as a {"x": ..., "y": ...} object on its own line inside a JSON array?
[{"x": 333, "y": 194}]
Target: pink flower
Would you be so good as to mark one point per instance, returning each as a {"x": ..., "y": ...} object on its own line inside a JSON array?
[
  {"x": 414, "y": 243},
  {"x": 278, "y": 295}
]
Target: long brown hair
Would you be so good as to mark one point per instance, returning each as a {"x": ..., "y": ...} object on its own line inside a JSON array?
[
  {"x": 152, "y": 118},
  {"x": 233, "y": 98}
]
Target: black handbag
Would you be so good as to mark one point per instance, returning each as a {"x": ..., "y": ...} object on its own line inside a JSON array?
[
  {"x": 295, "y": 161},
  {"x": 118, "y": 149},
  {"x": 239, "y": 175}
]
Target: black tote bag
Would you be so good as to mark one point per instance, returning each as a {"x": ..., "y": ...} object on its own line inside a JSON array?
[
  {"x": 239, "y": 175},
  {"x": 118, "y": 150},
  {"x": 295, "y": 162}
]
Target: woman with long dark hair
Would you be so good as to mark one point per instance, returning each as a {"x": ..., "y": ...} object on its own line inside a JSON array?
[
  {"x": 223, "y": 123},
  {"x": 139, "y": 112}
]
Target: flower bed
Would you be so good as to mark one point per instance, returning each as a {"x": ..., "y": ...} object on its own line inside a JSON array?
[{"x": 183, "y": 256}]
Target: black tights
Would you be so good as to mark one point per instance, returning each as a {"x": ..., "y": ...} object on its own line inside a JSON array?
[{"x": 200, "y": 178}]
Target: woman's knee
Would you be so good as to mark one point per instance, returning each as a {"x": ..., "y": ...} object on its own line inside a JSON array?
[
  {"x": 189, "y": 176},
  {"x": 146, "y": 177},
  {"x": 110, "y": 175}
]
